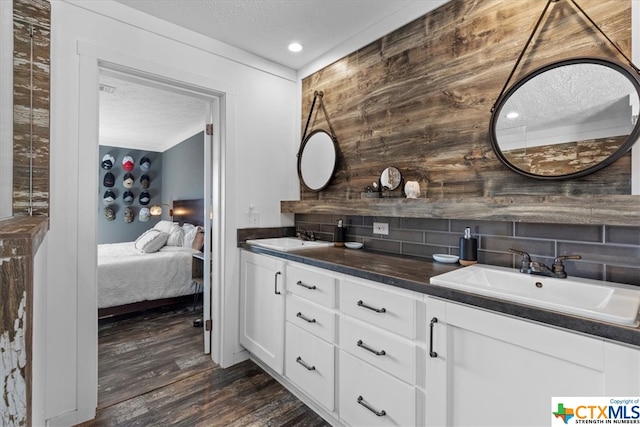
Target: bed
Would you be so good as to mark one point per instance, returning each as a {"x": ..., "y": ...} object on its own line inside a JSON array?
[{"x": 131, "y": 281}]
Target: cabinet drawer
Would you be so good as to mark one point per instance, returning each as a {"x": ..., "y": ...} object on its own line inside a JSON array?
[
  {"x": 362, "y": 384},
  {"x": 312, "y": 284},
  {"x": 311, "y": 317},
  {"x": 317, "y": 377},
  {"x": 394, "y": 355},
  {"x": 378, "y": 307}
]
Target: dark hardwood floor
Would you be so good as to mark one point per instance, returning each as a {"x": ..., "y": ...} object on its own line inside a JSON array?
[{"x": 153, "y": 372}]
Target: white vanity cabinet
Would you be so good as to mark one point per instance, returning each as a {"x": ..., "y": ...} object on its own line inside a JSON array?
[
  {"x": 378, "y": 354},
  {"x": 310, "y": 332},
  {"x": 362, "y": 353},
  {"x": 262, "y": 298},
  {"x": 496, "y": 370}
]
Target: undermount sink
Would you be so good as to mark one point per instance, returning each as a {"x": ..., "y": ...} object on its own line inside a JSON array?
[
  {"x": 289, "y": 243},
  {"x": 605, "y": 301}
]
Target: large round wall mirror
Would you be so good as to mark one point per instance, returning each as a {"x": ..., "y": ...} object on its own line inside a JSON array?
[
  {"x": 317, "y": 160},
  {"x": 567, "y": 119}
]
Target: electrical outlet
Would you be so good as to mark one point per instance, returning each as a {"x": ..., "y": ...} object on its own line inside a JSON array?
[{"x": 380, "y": 228}]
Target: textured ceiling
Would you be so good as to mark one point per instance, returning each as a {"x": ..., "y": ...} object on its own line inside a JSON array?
[
  {"x": 571, "y": 94},
  {"x": 145, "y": 117},
  {"x": 266, "y": 27}
]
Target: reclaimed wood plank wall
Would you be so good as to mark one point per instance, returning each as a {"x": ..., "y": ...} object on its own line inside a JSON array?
[
  {"x": 31, "y": 88},
  {"x": 20, "y": 238},
  {"x": 420, "y": 97}
]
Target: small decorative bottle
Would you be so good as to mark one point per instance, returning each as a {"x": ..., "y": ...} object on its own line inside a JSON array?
[
  {"x": 339, "y": 234},
  {"x": 468, "y": 248}
]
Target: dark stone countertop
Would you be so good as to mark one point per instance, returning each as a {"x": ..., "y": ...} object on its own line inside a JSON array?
[{"x": 414, "y": 274}]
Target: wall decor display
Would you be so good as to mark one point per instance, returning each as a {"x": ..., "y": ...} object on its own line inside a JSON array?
[
  {"x": 129, "y": 214},
  {"x": 108, "y": 161},
  {"x": 109, "y": 198},
  {"x": 128, "y": 197},
  {"x": 109, "y": 213},
  {"x": 144, "y": 215},
  {"x": 128, "y": 180},
  {"x": 128, "y": 163},
  {"x": 145, "y": 198},
  {"x": 145, "y": 164},
  {"x": 109, "y": 180}
]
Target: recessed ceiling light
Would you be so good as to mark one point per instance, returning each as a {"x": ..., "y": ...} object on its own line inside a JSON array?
[
  {"x": 512, "y": 115},
  {"x": 295, "y": 47}
]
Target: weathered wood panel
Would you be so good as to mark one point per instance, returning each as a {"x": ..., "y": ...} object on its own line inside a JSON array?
[
  {"x": 31, "y": 89},
  {"x": 19, "y": 239},
  {"x": 599, "y": 210},
  {"x": 420, "y": 98}
]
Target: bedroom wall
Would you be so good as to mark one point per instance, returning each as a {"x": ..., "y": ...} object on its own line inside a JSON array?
[
  {"x": 183, "y": 171},
  {"x": 118, "y": 230}
]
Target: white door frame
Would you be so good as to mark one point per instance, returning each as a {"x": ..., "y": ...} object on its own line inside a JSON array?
[{"x": 92, "y": 60}]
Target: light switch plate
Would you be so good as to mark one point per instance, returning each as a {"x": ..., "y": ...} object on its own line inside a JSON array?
[
  {"x": 380, "y": 228},
  {"x": 253, "y": 218}
]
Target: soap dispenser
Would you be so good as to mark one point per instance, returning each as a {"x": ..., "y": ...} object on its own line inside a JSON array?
[
  {"x": 468, "y": 248},
  {"x": 339, "y": 234}
]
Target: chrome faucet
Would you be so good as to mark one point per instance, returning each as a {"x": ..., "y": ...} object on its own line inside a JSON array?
[{"x": 540, "y": 269}]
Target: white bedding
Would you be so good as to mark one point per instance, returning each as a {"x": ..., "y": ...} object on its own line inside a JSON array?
[{"x": 125, "y": 275}]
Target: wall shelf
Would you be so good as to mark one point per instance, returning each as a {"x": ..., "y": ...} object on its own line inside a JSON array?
[{"x": 605, "y": 210}]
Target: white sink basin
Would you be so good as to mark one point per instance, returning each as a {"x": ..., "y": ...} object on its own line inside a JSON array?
[
  {"x": 606, "y": 301},
  {"x": 289, "y": 243}
]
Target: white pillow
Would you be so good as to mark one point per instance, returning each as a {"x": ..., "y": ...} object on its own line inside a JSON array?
[
  {"x": 173, "y": 229},
  {"x": 165, "y": 226},
  {"x": 151, "y": 241},
  {"x": 189, "y": 236}
]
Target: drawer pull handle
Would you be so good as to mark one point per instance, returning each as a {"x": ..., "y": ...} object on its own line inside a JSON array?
[
  {"x": 366, "y": 347},
  {"x": 307, "y": 367},
  {"x": 377, "y": 310},
  {"x": 431, "y": 352},
  {"x": 275, "y": 285},
  {"x": 305, "y": 318},
  {"x": 366, "y": 405},
  {"x": 304, "y": 285}
]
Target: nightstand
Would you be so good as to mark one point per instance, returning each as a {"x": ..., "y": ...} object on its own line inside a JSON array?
[{"x": 197, "y": 276}]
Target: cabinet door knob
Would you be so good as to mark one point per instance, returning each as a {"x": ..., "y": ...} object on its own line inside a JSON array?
[
  {"x": 305, "y": 318},
  {"x": 377, "y": 310},
  {"x": 304, "y": 285},
  {"x": 362, "y": 402},
  {"x": 366, "y": 347}
]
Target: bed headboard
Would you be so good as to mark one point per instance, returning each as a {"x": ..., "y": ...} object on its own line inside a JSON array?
[{"x": 189, "y": 211}]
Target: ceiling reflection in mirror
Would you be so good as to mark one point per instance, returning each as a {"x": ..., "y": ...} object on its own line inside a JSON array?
[{"x": 567, "y": 119}]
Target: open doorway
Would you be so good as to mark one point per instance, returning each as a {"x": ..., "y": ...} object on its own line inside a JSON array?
[{"x": 157, "y": 172}]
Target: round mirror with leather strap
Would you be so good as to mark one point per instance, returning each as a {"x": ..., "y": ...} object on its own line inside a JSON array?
[
  {"x": 567, "y": 119},
  {"x": 317, "y": 160}
]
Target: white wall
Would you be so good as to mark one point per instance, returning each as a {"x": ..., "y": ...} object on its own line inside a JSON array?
[{"x": 261, "y": 142}]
